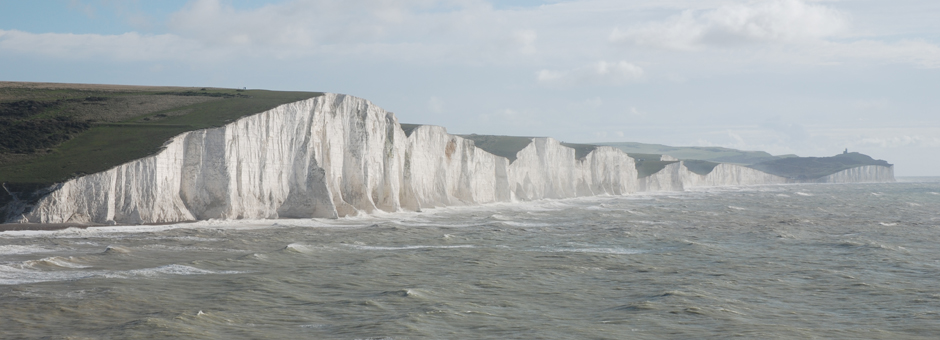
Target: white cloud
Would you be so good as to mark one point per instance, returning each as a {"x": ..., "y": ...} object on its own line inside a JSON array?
[
  {"x": 739, "y": 24},
  {"x": 293, "y": 23},
  {"x": 898, "y": 141},
  {"x": 598, "y": 73},
  {"x": 425, "y": 30},
  {"x": 512, "y": 120},
  {"x": 915, "y": 52},
  {"x": 473, "y": 32},
  {"x": 123, "y": 47},
  {"x": 439, "y": 31},
  {"x": 525, "y": 40},
  {"x": 436, "y": 105},
  {"x": 636, "y": 113},
  {"x": 595, "y": 102},
  {"x": 870, "y": 104}
]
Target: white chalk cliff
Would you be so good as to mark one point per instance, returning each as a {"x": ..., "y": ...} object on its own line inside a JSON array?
[
  {"x": 336, "y": 155},
  {"x": 861, "y": 174},
  {"x": 676, "y": 177}
]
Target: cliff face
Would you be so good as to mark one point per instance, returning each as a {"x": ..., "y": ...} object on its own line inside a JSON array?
[
  {"x": 441, "y": 169},
  {"x": 862, "y": 174},
  {"x": 335, "y": 156},
  {"x": 329, "y": 156},
  {"x": 547, "y": 169},
  {"x": 262, "y": 166},
  {"x": 729, "y": 175},
  {"x": 667, "y": 179},
  {"x": 677, "y": 177}
]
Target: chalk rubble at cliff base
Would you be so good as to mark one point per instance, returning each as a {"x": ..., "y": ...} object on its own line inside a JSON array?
[{"x": 336, "y": 155}]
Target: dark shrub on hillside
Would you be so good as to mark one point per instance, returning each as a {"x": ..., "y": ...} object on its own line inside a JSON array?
[
  {"x": 24, "y": 108},
  {"x": 28, "y": 136}
]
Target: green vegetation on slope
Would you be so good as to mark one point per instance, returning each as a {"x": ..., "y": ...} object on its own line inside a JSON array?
[
  {"x": 713, "y": 154},
  {"x": 648, "y": 164},
  {"x": 105, "y": 127},
  {"x": 580, "y": 150},
  {"x": 504, "y": 146},
  {"x": 699, "y": 166},
  {"x": 806, "y": 168},
  {"x": 409, "y": 128}
]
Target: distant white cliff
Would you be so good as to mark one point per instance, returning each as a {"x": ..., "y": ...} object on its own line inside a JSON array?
[
  {"x": 861, "y": 174},
  {"x": 337, "y": 155}
]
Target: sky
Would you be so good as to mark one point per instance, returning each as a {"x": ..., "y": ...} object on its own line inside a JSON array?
[{"x": 802, "y": 77}]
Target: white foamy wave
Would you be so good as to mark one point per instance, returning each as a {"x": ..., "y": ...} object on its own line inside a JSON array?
[
  {"x": 803, "y": 193},
  {"x": 300, "y": 248},
  {"x": 13, "y": 249},
  {"x": 110, "y": 231},
  {"x": 188, "y": 238},
  {"x": 55, "y": 261},
  {"x": 612, "y": 251},
  {"x": 783, "y": 195},
  {"x": 526, "y": 224},
  {"x": 653, "y": 222},
  {"x": 182, "y": 248},
  {"x": 500, "y": 217},
  {"x": 365, "y": 247},
  {"x": 64, "y": 270},
  {"x": 170, "y": 269},
  {"x": 116, "y": 250},
  {"x": 736, "y": 208},
  {"x": 14, "y": 275},
  {"x": 887, "y": 224}
]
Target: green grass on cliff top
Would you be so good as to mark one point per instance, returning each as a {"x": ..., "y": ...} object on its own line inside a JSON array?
[
  {"x": 126, "y": 123},
  {"x": 808, "y": 168},
  {"x": 503, "y": 146},
  {"x": 712, "y": 154}
]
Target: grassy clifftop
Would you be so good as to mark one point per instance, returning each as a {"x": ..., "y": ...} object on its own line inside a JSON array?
[
  {"x": 711, "y": 154},
  {"x": 52, "y": 132},
  {"x": 806, "y": 168},
  {"x": 504, "y": 146}
]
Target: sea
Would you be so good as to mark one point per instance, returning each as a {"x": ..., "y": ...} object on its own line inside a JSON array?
[{"x": 826, "y": 261}]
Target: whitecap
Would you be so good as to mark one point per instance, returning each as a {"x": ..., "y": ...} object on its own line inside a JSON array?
[
  {"x": 803, "y": 193},
  {"x": 170, "y": 269},
  {"x": 55, "y": 261},
  {"x": 11, "y": 275},
  {"x": 526, "y": 224},
  {"x": 300, "y": 248},
  {"x": 365, "y": 247},
  {"x": 611, "y": 251},
  {"x": 116, "y": 250},
  {"x": 14, "y": 249},
  {"x": 500, "y": 217}
]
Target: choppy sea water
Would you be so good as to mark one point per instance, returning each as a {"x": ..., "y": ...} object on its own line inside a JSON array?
[{"x": 791, "y": 262}]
